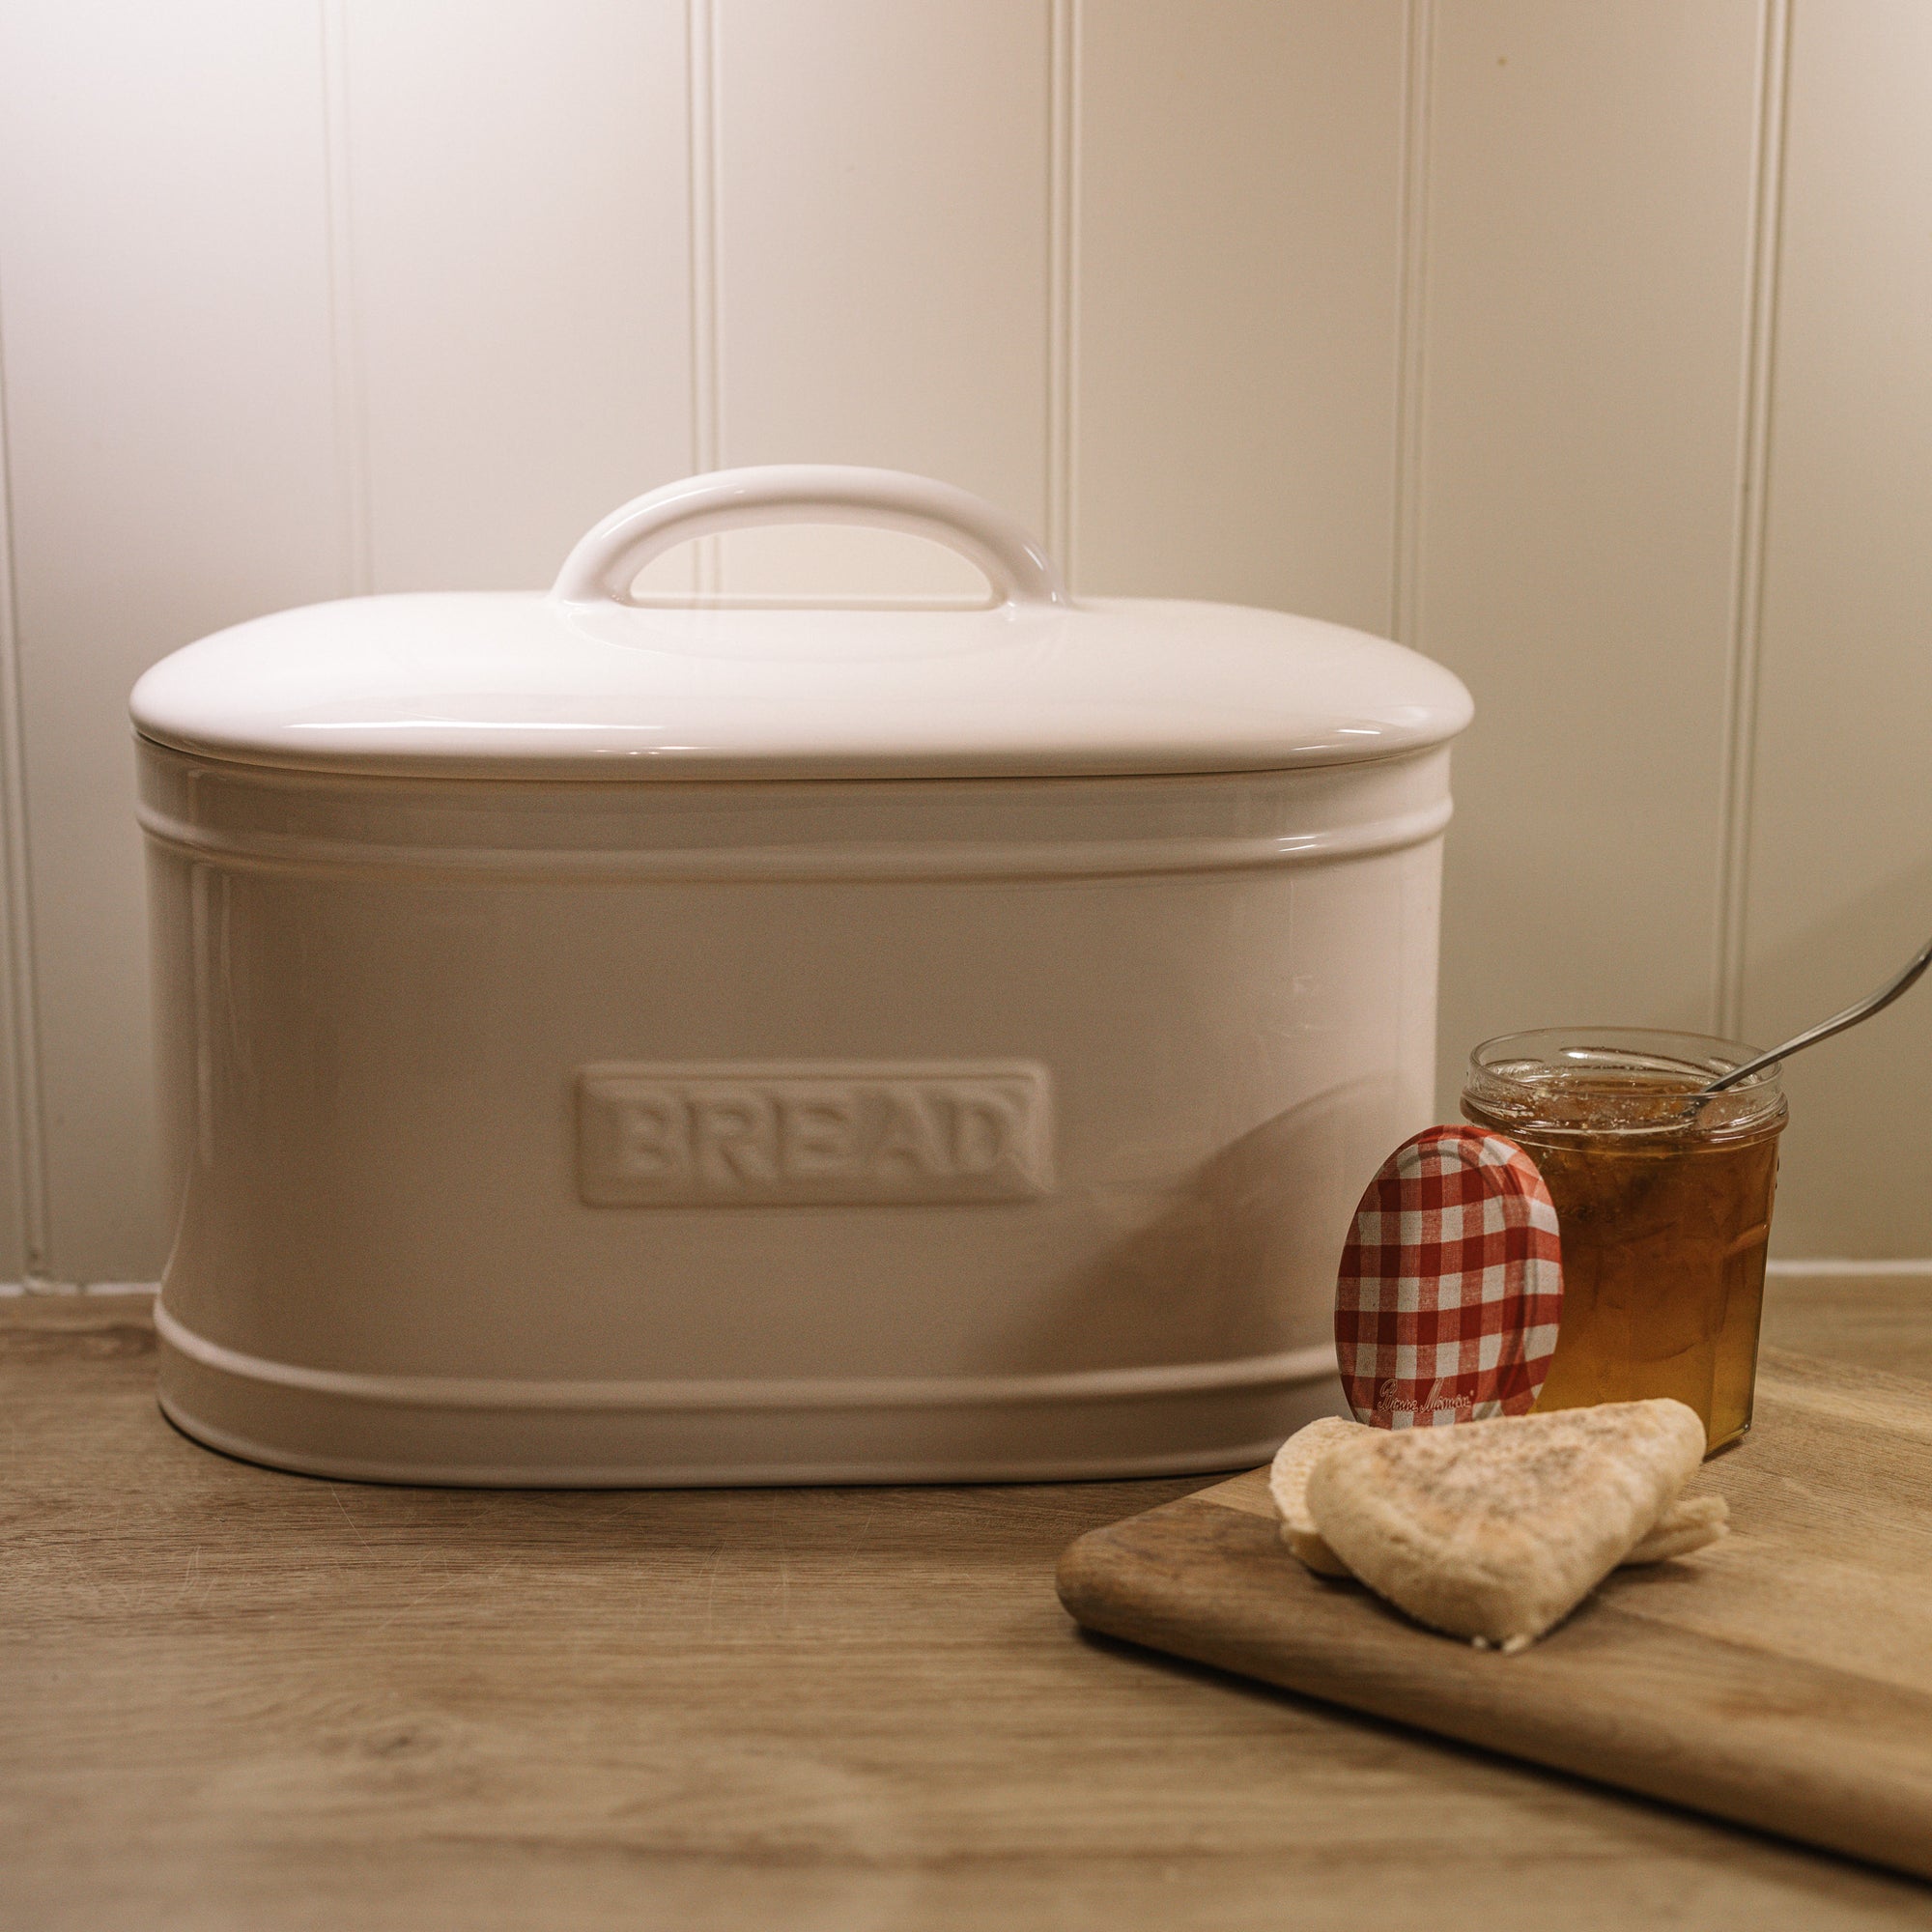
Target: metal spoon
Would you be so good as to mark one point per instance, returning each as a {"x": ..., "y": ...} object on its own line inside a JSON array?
[{"x": 1850, "y": 1017}]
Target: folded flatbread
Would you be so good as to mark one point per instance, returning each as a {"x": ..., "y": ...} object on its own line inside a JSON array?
[
  {"x": 1288, "y": 1483},
  {"x": 1691, "y": 1523},
  {"x": 1688, "y": 1525},
  {"x": 1495, "y": 1530}
]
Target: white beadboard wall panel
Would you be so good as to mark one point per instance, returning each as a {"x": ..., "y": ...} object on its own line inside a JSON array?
[
  {"x": 1237, "y": 282},
  {"x": 1444, "y": 315},
  {"x": 164, "y": 308},
  {"x": 881, "y": 178},
  {"x": 1840, "y": 878},
  {"x": 17, "y": 1172},
  {"x": 20, "y": 1169},
  {"x": 1591, "y": 180},
  {"x": 518, "y": 248}
]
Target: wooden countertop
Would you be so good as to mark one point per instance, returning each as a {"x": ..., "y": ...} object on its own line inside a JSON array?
[{"x": 239, "y": 1699}]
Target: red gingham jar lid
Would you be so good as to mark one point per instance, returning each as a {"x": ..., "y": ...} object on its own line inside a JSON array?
[{"x": 1451, "y": 1284}]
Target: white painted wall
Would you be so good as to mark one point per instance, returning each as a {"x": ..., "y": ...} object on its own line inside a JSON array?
[{"x": 1581, "y": 346}]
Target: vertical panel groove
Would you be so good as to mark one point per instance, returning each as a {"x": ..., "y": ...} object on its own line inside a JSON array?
[
  {"x": 1405, "y": 574},
  {"x": 22, "y": 1007},
  {"x": 1063, "y": 279},
  {"x": 1753, "y": 511},
  {"x": 352, "y": 428},
  {"x": 707, "y": 390}
]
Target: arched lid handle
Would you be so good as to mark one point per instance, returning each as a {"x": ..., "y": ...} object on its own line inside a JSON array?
[{"x": 607, "y": 559}]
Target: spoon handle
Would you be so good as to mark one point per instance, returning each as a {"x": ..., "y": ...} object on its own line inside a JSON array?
[{"x": 1837, "y": 1023}]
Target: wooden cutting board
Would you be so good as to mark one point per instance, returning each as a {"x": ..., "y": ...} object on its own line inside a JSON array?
[{"x": 1781, "y": 1678}]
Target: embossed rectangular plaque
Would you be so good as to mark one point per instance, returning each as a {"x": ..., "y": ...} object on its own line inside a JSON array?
[{"x": 721, "y": 1134}]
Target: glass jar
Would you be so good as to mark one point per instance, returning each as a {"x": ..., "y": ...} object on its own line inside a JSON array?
[{"x": 1664, "y": 1204}]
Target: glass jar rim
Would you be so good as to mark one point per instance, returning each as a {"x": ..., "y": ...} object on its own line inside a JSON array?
[{"x": 1538, "y": 1077}]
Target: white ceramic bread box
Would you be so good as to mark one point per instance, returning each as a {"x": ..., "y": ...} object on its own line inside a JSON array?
[{"x": 604, "y": 1043}]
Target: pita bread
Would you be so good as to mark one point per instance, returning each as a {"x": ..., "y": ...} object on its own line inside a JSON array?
[
  {"x": 1689, "y": 1524},
  {"x": 1496, "y": 1530},
  {"x": 1288, "y": 1483}
]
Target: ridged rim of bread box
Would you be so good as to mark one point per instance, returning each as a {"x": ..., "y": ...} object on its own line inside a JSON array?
[
  {"x": 577, "y": 1433},
  {"x": 251, "y": 819}
]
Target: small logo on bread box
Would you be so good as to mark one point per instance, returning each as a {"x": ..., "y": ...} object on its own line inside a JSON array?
[{"x": 731, "y": 1135}]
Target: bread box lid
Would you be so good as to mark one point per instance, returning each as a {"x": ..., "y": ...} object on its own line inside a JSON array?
[{"x": 586, "y": 683}]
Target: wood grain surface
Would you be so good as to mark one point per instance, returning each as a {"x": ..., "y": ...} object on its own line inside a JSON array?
[
  {"x": 1781, "y": 1678},
  {"x": 238, "y": 1699}
]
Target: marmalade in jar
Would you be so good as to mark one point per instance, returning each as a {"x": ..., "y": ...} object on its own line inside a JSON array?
[{"x": 1662, "y": 1205}]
